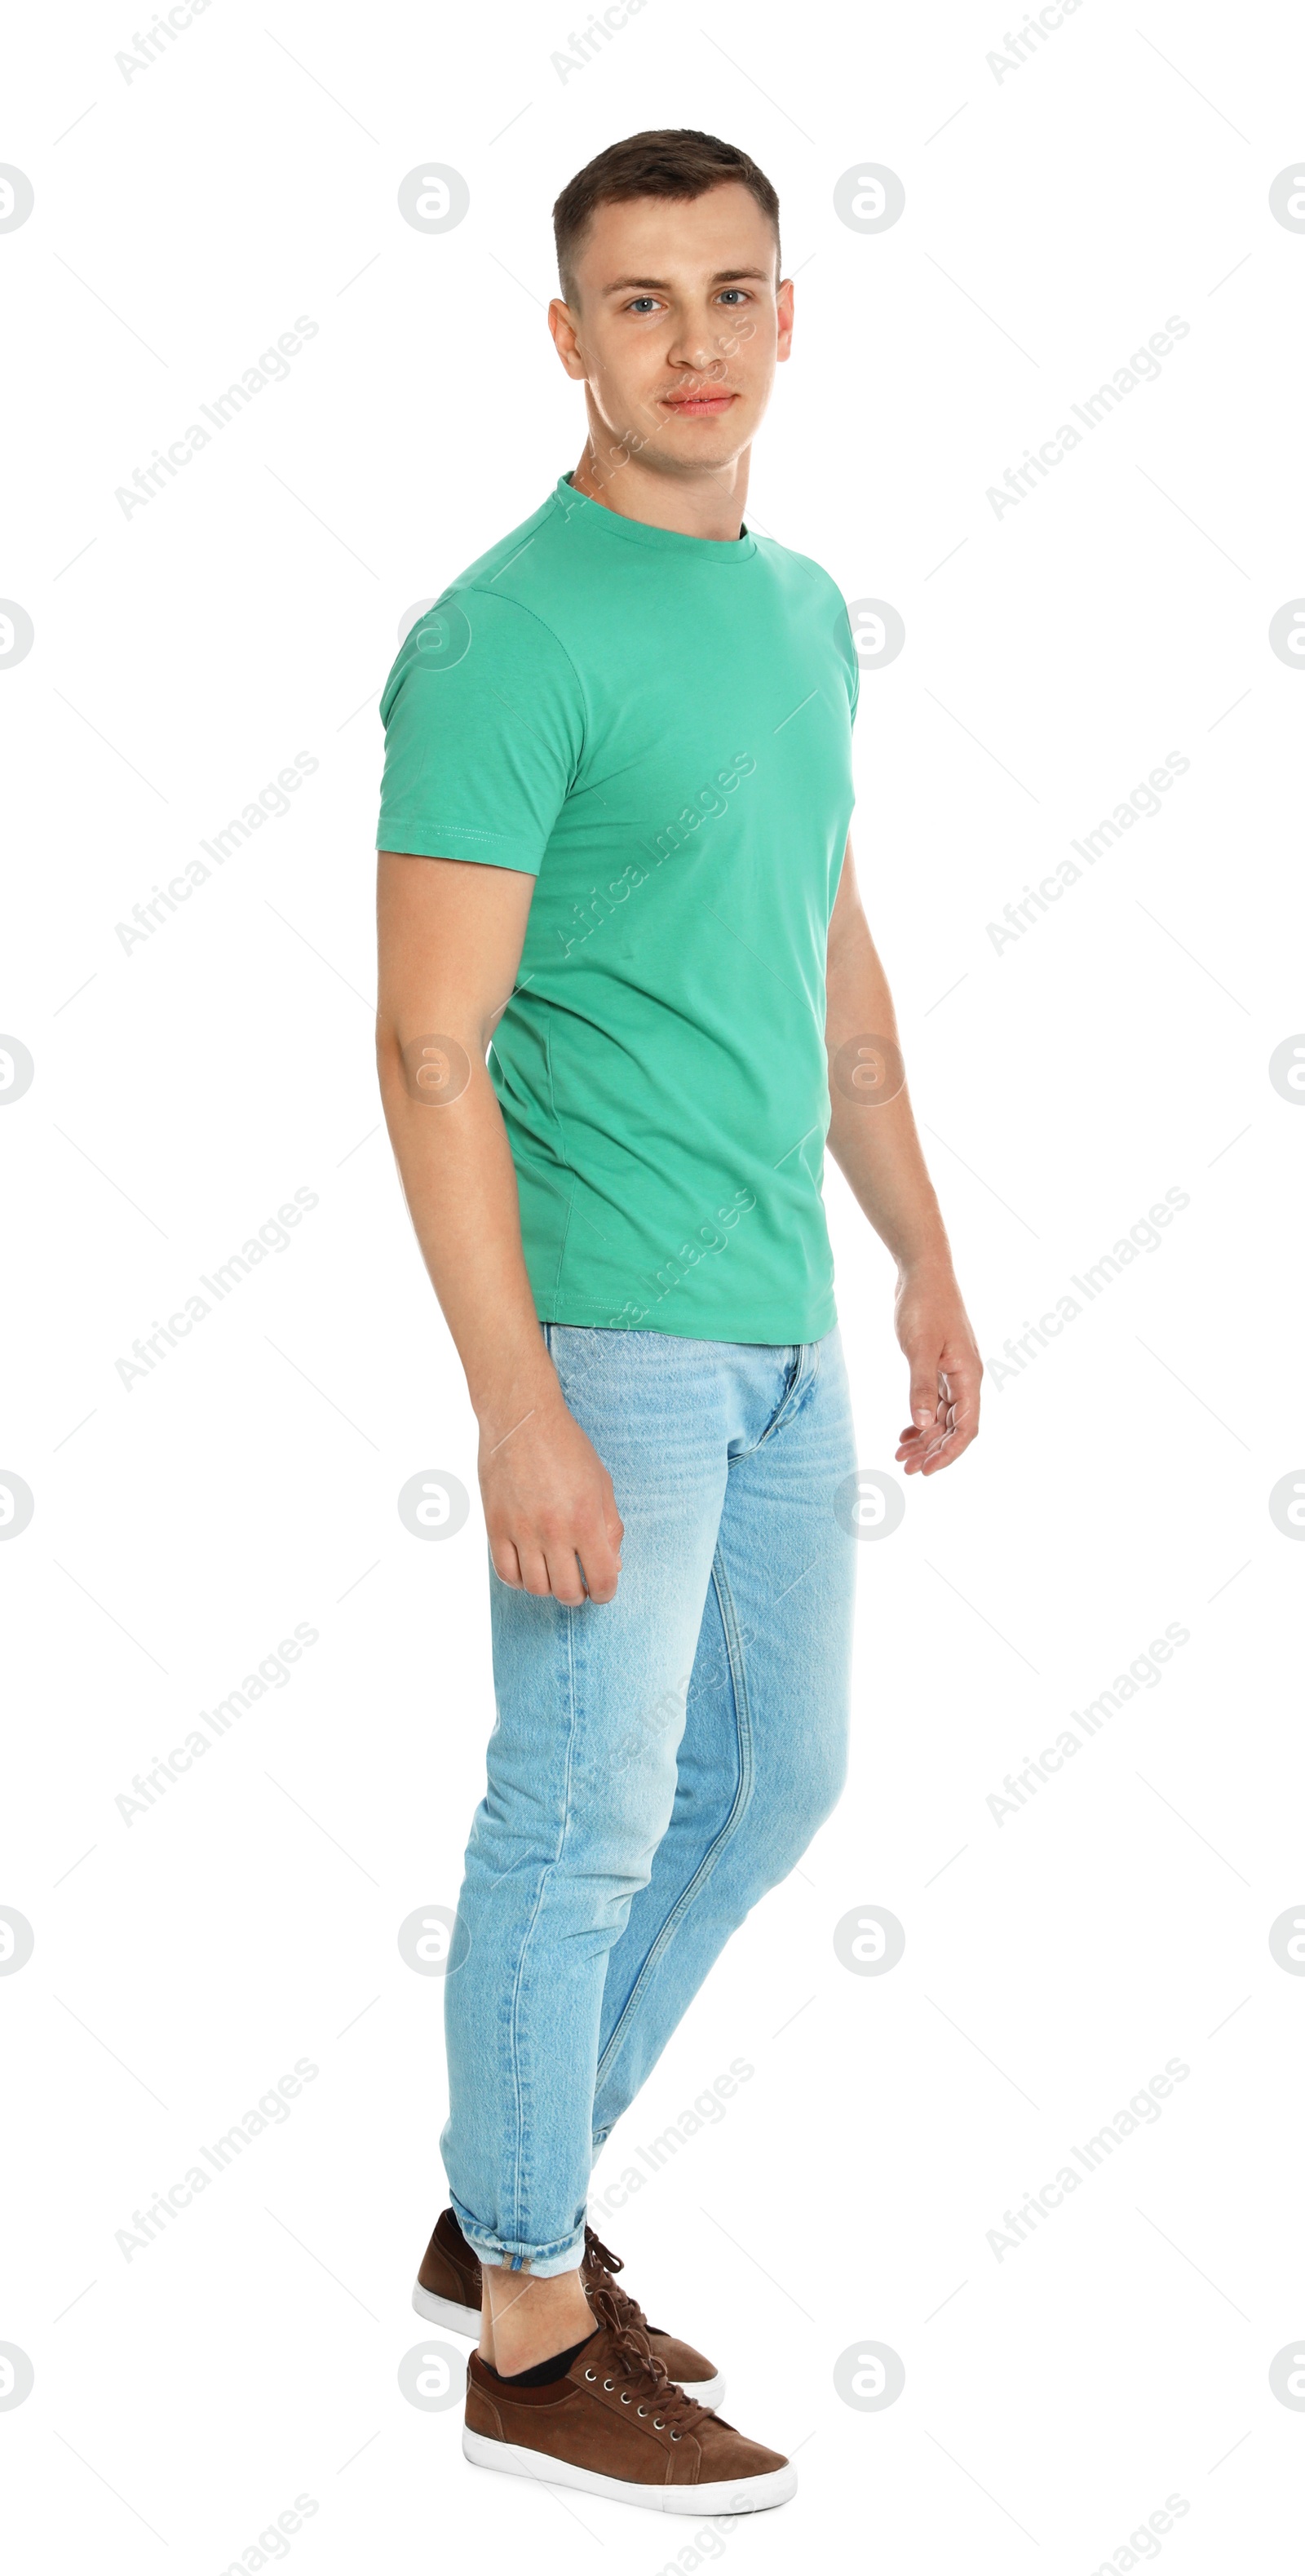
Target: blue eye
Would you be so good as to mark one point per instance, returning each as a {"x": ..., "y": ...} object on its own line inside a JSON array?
[{"x": 643, "y": 303}]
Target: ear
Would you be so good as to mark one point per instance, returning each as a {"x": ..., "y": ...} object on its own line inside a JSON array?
[
  {"x": 563, "y": 323},
  {"x": 784, "y": 309}
]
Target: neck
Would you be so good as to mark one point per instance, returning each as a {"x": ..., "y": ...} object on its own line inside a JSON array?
[{"x": 707, "y": 504}]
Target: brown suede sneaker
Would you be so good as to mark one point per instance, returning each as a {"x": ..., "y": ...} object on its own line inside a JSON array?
[
  {"x": 447, "y": 2291},
  {"x": 615, "y": 2425}
]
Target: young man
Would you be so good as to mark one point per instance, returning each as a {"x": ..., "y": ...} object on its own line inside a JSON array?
[{"x": 614, "y": 838}]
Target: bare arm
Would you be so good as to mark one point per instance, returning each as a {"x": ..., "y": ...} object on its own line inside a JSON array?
[
  {"x": 873, "y": 1139},
  {"x": 450, "y": 937}
]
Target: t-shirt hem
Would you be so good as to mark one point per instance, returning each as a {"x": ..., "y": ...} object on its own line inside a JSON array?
[
  {"x": 774, "y": 1330},
  {"x": 422, "y": 840}
]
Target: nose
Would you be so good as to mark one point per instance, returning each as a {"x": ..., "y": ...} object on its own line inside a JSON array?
[{"x": 697, "y": 358}]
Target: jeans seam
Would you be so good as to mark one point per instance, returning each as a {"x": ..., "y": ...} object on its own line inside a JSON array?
[
  {"x": 742, "y": 1797},
  {"x": 549, "y": 1867}
]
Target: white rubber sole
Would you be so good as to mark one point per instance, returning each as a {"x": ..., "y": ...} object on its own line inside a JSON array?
[
  {"x": 466, "y": 2321},
  {"x": 722, "y": 2495},
  {"x": 446, "y": 2312}
]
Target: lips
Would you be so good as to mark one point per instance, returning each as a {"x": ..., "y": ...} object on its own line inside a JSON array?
[{"x": 702, "y": 405}]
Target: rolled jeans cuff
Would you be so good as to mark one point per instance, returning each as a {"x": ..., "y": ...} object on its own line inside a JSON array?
[{"x": 543, "y": 2262}]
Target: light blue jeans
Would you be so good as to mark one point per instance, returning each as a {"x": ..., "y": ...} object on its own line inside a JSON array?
[{"x": 658, "y": 1762}]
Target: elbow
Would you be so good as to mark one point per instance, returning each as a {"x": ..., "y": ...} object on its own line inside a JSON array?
[
  {"x": 432, "y": 1068},
  {"x": 389, "y": 1058}
]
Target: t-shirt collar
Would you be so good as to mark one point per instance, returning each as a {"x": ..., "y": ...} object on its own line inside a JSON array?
[{"x": 608, "y": 524}]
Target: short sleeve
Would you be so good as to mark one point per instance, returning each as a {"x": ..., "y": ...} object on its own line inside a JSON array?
[
  {"x": 484, "y": 730},
  {"x": 851, "y": 662}
]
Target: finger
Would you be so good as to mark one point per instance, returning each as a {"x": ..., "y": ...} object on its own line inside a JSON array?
[
  {"x": 921, "y": 1449},
  {"x": 924, "y": 1390},
  {"x": 600, "y": 1562},
  {"x": 913, "y": 1443},
  {"x": 565, "y": 1580},
  {"x": 600, "y": 1587},
  {"x": 941, "y": 1454},
  {"x": 961, "y": 1385},
  {"x": 506, "y": 1562},
  {"x": 534, "y": 1570},
  {"x": 955, "y": 1441}
]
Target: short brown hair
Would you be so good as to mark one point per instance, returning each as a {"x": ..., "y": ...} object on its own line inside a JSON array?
[{"x": 671, "y": 161}]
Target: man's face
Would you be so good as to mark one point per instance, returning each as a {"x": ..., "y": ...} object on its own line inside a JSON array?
[{"x": 678, "y": 325}]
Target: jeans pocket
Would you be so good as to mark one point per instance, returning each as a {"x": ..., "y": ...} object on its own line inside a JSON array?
[{"x": 802, "y": 1369}]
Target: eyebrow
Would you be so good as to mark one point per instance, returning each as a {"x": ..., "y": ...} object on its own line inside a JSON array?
[{"x": 662, "y": 285}]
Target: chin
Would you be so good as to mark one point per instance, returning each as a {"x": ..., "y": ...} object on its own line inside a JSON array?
[{"x": 707, "y": 442}]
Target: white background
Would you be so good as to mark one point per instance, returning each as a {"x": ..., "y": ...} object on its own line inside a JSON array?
[{"x": 1055, "y": 218}]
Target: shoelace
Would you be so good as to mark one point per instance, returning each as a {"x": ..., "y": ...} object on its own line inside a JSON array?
[
  {"x": 652, "y": 2393},
  {"x": 600, "y": 2258},
  {"x": 600, "y": 2255}
]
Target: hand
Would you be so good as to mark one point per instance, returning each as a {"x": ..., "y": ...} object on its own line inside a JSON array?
[
  {"x": 550, "y": 1510},
  {"x": 934, "y": 1331}
]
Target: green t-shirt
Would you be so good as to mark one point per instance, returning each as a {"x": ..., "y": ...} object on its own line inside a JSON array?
[{"x": 659, "y": 728}]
